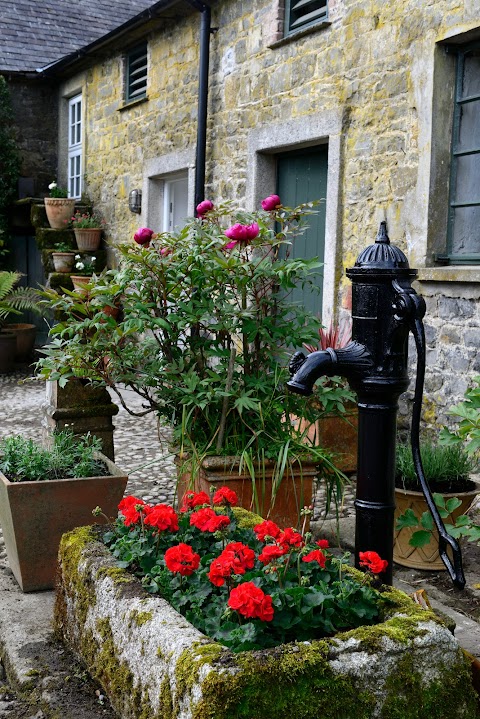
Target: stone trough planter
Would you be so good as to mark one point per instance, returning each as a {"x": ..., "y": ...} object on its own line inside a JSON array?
[{"x": 152, "y": 663}]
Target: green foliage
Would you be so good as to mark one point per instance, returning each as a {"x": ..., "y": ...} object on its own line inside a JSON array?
[
  {"x": 9, "y": 160},
  {"x": 22, "y": 460},
  {"x": 309, "y": 600},
  {"x": 86, "y": 220},
  {"x": 15, "y": 300},
  {"x": 56, "y": 191},
  {"x": 204, "y": 335},
  {"x": 446, "y": 468},
  {"x": 468, "y": 430},
  {"x": 463, "y": 526}
]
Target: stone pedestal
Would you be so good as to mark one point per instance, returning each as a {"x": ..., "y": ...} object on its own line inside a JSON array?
[{"x": 81, "y": 408}]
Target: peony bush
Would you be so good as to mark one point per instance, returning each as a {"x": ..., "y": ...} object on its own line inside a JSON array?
[{"x": 245, "y": 588}]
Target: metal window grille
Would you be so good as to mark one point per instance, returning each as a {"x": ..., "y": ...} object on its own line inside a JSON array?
[
  {"x": 75, "y": 146},
  {"x": 137, "y": 67},
  {"x": 300, "y": 14},
  {"x": 463, "y": 234}
]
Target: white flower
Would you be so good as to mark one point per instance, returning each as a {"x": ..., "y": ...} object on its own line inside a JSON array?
[
  {"x": 77, "y": 257},
  {"x": 52, "y": 185},
  {"x": 93, "y": 259},
  {"x": 80, "y": 266}
]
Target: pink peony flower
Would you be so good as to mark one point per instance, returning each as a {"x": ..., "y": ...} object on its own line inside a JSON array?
[
  {"x": 143, "y": 235},
  {"x": 237, "y": 232},
  {"x": 271, "y": 203},
  {"x": 252, "y": 231},
  {"x": 204, "y": 207},
  {"x": 230, "y": 245}
]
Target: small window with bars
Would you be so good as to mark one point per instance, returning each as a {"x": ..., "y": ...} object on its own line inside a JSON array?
[
  {"x": 463, "y": 236},
  {"x": 300, "y": 14},
  {"x": 136, "y": 73}
]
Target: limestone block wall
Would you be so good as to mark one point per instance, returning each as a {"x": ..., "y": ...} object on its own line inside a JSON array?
[{"x": 376, "y": 68}]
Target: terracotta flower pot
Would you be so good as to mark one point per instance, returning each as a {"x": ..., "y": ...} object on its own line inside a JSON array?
[
  {"x": 337, "y": 433},
  {"x": 8, "y": 346},
  {"x": 293, "y": 493},
  {"x": 25, "y": 335},
  {"x": 80, "y": 281},
  {"x": 34, "y": 515},
  {"x": 426, "y": 557},
  {"x": 59, "y": 211},
  {"x": 63, "y": 261},
  {"x": 88, "y": 239}
]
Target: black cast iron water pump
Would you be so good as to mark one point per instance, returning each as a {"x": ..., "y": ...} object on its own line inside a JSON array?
[{"x": 385, "y": 308}]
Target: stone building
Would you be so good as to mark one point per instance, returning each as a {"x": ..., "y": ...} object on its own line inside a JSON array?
[{"x": 372, "y": 106}]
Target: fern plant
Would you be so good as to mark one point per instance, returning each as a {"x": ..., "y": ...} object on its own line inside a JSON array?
[{"x": 13, "y": 299}]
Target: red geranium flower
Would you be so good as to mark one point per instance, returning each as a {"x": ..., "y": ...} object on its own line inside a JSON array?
[
  {"x": 271, "y": 552},
  {"x": 315, "y": 556},
  {"x": 267, "y": 528},
  {"x": 244, "y": 557},
  {"x": 323, "y": 543},
  {"x": 251, "y": 602},
  {"x": 194, "y": 499},
  {"x": 182, "y": 559},
  {"x": 373, "y": 562},
  {"x": 132, "y": 508},
  {"x": 163, "y": 518},
  {"x": 227, "y": 496},
  {"x": 207, "y": 520},
  {"x": 290, "y": 538}
]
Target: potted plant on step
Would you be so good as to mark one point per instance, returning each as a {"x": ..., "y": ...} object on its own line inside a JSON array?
[
  {"x": 447, "y": 470},
  {"x": 63, "y": 257},
  {"x": 204, "y": 337},
  {"x": 84, "y": 269},
  {"x": 45, "y": 492},
  {"x": 58, "y": 206},
  {"x": 16, "y": 339},
  {"x": 88, "y": 230}
]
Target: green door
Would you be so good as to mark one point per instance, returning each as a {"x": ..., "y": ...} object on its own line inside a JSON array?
[{"x": 302, "y": 177}]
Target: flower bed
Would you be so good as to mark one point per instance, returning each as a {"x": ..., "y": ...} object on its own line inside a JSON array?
[{"x": 153, "y": 663}]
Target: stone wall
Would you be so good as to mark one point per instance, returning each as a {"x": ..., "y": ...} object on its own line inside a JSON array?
[{"x": 377, "y": 68}]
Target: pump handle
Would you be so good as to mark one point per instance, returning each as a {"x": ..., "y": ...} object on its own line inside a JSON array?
[{"x": 411, "y": 306}]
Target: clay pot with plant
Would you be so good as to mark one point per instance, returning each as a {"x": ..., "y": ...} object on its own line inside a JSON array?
[
  {"x": 45, "y": 492},
  {"x": 58, "y": 206},
  {"x": 63, "y": 257},
  {"x": 16, "y": 339},
  {"x": 88, "y": 229},
  {"x": 204, "y": 337},
  {"x": 448, "y": 471}
]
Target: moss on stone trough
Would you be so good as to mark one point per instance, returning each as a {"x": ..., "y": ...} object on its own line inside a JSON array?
[{"x": 154, "y": 665}]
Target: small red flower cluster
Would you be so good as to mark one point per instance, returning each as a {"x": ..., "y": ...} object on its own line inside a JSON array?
[
  {"x": 193, "y": 499},
  {"x": 162, "y": 516},
  {"x": 236, "y": 558},
  {"x": 373, "y": 562},
  {"x": 250, "y": 601},
  {"x": 182, "y": 559},
  {"x": 207, "y": 520}
]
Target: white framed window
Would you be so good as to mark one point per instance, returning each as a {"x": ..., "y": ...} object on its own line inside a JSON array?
[
  {"x": 75, "y": 146},
  {"x": 175, "y": 202}
]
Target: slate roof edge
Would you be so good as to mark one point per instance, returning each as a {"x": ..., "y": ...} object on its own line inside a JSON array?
[{"x": 137, "y": 20}]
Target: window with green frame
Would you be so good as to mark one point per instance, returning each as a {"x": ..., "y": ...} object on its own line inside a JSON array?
[
  {"x": 463, "y": 232},
  {"x": 136, "y": 73},
  {"x": 300, "y": 14}
]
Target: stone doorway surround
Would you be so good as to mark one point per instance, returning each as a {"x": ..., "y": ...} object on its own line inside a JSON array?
[
  {"x": 265, "y": 143},
  {"x": 156, "y": 172}
]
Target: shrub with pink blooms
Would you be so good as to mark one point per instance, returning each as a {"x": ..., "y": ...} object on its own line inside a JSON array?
[
  {"x": 246, "y": 587},
  {"x": 205, "y": 334}
]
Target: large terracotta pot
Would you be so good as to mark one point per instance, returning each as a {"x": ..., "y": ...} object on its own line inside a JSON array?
[
  {"x": 337, "y": 433},
  {"x": 80, "y": 281},
  {"x": 25, "y": 340},
  {"x": 34, "y": 515},
  {"x": 8, "y": 347},
  {"x": 426, "y": 557},
  {"x": 88, "y": 239},
  {"x": 59, "y": 211},
  {"x": 293, "y": 492}
]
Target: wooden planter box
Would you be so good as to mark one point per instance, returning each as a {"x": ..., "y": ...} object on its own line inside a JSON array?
[
  {"x": 34, "y": 515},
  {"x": 152, "y": 662},
  {"x": 294, "y": 492}
]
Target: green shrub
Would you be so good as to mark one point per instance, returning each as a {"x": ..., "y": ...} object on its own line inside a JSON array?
[{"x": 446, "y": 469}]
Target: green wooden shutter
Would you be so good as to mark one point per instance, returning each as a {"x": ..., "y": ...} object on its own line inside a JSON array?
[
  {"x": 137, "y": 67},
  {"x": 303, "y": 13},
  {"x": 302, "y": 177}
]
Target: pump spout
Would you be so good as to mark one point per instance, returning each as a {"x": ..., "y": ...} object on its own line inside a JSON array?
[{"x": 352, "y": 360}]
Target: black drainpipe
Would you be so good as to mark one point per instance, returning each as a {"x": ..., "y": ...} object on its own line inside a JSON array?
[{"x": 205, "y": 30}]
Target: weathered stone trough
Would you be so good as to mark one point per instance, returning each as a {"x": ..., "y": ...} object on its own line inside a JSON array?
[{"x": 154, "y": 665}]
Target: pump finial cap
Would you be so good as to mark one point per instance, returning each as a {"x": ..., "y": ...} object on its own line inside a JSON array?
[{"x": 382, "y": 236}]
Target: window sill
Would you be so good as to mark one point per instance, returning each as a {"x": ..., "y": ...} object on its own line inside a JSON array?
[
  {"x": 133, "y": 103},
  {"x": 322, "y": 25},
  {"x": 455, "y": 273}
]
